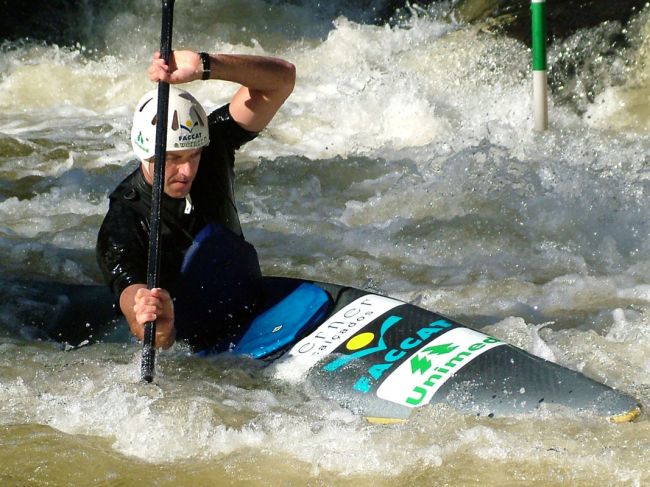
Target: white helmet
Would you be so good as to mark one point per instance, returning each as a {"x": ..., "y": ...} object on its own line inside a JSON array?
[{"x": 187, "y": 124}]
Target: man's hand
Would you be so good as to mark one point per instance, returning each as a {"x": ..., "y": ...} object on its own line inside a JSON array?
[
  {"x": 184, "y": 66},
  {"x": 141, "y": 305}
]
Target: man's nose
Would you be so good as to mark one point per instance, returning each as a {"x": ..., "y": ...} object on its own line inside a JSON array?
[{"x": 185, "y": 168}]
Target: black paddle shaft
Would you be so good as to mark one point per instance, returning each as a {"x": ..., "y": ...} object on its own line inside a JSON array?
[{"x": 153, "y": 263}]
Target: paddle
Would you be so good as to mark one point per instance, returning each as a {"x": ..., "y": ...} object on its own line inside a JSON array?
[{"x": 153, "y": 264}]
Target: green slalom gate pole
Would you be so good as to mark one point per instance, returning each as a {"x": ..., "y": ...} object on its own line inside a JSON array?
[{"x": 540, "y": 79}]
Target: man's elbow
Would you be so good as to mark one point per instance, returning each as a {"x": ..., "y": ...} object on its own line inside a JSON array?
[
  {"x": 289, "y": 78},
  {"x": 291, "y": 73}
]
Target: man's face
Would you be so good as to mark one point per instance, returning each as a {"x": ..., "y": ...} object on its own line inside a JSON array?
[{"x": 180, "y": 170}]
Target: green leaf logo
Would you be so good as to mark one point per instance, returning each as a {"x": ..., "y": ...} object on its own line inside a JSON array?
[{"x": 440, "y": 349}]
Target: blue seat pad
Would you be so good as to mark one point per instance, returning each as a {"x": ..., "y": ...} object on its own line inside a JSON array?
[{"x": 279, "y": 326}]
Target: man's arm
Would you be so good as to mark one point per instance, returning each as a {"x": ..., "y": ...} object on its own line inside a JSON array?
[
  {"x": 266, "y": 82},
  {"x": 122, "y": 258},
  {"x": 141, "y": 305}
]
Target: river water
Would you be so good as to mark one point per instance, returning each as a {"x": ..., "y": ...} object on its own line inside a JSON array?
[{"x": 404, "y": 162}]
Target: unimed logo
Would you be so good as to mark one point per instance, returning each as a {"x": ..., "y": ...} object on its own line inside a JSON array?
[{"x": 416, "y": 381}]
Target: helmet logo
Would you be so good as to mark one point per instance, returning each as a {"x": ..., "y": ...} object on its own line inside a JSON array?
[
  {"x": 188, "y": 138},
  {"x": 189, "y": 125},
  {"x": 139, "y": 140}
]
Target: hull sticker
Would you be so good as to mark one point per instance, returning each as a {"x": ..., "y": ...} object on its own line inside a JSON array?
[
  {"x": 383, "y": 346},
  {"x": 416, "y": 380},
  {"x": 332, "y": 333}
]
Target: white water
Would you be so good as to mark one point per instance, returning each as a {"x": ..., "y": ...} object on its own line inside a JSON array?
[{"x": 404, "y": 161}]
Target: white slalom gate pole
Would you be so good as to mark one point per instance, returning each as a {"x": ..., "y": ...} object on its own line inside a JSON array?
[{"x": 540, "y": 80}]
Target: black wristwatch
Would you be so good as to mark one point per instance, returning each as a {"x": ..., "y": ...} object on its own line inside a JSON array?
[{"x": 205, "y": 58}]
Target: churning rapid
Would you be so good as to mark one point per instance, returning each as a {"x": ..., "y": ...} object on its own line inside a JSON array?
[{"x": 404, "y": 162}]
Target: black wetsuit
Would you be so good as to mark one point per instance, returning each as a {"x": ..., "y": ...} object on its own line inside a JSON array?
[{"x": 123, "y": 240}]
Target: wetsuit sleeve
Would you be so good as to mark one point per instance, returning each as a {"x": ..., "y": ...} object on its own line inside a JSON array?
[
  {"x": 225, "y": 131},
  {"x": 213, "y": 190},
  {"x": 122, "y": 247}
]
